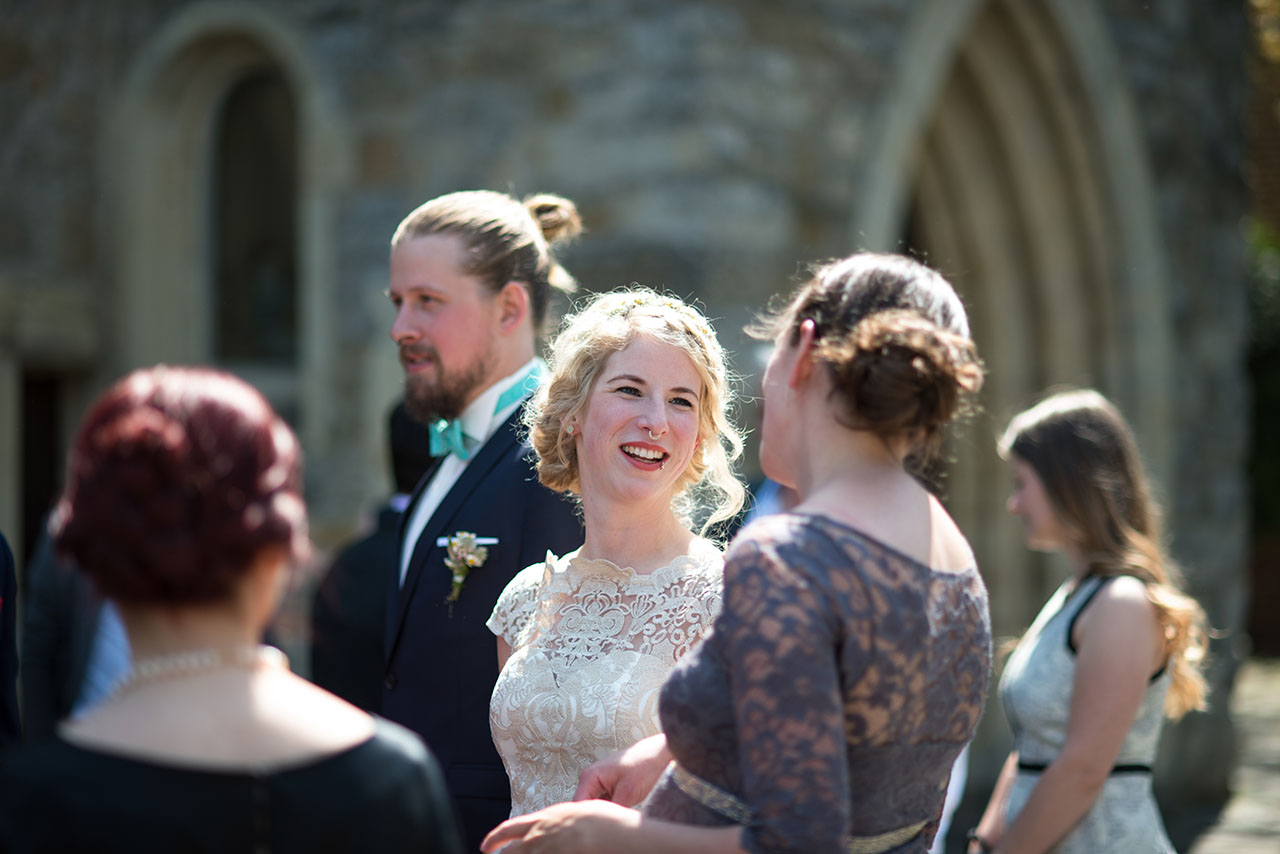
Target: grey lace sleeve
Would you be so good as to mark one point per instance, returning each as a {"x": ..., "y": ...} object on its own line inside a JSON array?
[{"x": 779, "y": 633}]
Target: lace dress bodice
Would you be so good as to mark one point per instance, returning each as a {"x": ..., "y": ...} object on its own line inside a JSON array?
[
  {"x": 591, "y": 644},
  {"x": 827, "y": 705}
]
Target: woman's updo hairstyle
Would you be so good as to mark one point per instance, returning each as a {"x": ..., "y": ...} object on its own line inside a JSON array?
[
  {"x": 894, "y": 337},
  {"x": 178, "y": 479},
  {"x": 506, "y": 240},
  {"x": 605, "y": 325}
]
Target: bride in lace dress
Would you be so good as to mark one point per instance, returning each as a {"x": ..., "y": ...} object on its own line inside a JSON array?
[
  {"x": 633, "y": 421},
  {"x": 851, "y": 658}
]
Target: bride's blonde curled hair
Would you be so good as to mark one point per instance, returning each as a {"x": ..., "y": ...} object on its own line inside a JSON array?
[{"x": 607, "y": 324}]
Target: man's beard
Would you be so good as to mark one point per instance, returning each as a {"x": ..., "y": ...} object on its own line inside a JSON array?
[{"x": 445, "y": 396}]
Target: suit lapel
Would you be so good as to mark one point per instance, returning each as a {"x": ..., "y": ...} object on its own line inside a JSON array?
[
  {"x": 490, "y": 454},
  {"x": 418, "y": 491}
]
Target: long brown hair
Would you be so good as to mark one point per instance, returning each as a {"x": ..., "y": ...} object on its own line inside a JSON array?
[{"x": 1084, "y": 453}]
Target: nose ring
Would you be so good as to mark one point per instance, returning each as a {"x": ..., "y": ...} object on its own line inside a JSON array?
[{"x": 651, "y": 436}]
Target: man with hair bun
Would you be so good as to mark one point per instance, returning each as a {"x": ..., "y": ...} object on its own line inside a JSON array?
[{"x": 471, "y": 279}]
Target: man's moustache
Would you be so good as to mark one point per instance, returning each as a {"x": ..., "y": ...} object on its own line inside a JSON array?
[{"x": 407, "y": 353}]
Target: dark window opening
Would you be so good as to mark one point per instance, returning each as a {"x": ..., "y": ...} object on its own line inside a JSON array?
[
  {"x": 42, "y": 455},
  {"x": 255, "y": 225}
]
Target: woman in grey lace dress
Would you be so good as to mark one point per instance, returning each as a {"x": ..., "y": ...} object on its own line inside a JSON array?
[
  {"x": 850, "y": 662},
  {"x": 1115, "y": 650}
]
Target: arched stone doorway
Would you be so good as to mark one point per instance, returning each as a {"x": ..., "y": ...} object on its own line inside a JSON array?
[
  {"x": 1009, "y": 157},
  {"x": 1008, "y": 153},
  {"x": 254, "y": 235},
  {"x": 1010, "y": 202},
  {"x": 194, "y": 114}
]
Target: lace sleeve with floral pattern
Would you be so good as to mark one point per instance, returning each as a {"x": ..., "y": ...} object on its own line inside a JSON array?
[
  {"x": 779, "y": 639},
  {"x": 837, "y": 686},
  {"x": 518, "y": 605}
]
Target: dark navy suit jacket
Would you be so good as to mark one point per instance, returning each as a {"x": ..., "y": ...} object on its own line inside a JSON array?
[
  {"x": 441, "y": 666},
  {"x": 10, "y": 731},
  {"x": 349, "y": 615}
]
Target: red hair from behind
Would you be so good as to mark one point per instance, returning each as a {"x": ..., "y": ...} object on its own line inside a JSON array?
[{"x": 178, "y": 480}]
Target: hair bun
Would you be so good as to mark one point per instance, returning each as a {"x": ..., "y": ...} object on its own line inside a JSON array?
[
  {"x": 902, "y": 373},
  {"x": 556, "y": 216}
]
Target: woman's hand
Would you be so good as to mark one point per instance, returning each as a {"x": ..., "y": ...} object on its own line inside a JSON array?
[
  {"x": 990, "y": 829},
  {"x": 586, "y": 827},
  {"x": 980, "y": 844},
  {"x": 627, "y": 776}
]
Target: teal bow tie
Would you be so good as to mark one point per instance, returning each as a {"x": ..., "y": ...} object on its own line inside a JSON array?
[{"x": 447, "y": 438}]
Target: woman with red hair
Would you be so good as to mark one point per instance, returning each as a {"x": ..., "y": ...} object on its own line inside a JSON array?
[{"x": 183, "y": 505}]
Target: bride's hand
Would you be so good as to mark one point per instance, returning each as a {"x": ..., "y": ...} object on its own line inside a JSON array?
[
  {"x": 576, "y": 828},
  {"x": 627, "y": 776}
]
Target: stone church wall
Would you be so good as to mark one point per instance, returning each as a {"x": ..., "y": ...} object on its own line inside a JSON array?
[
  {"x": 1184, "y": 62},
  {"x": 713, "y": 147}
]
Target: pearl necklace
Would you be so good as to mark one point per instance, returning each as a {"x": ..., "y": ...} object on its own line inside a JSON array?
[{"x": 180, "y": 665}]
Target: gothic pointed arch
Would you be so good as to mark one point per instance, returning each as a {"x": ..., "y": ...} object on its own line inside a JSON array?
[
  {"x": 1010, "y": 153},
  {"x": 1012, "y": 158}
]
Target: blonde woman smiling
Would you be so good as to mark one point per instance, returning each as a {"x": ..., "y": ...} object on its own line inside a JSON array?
[{"x": 633, "y": 421}]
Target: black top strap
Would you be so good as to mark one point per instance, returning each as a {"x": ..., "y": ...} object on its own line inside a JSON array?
[{"x": 1071, "y": 627}]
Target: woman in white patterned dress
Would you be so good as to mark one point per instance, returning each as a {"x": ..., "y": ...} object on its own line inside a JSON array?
[
  {"x": 632, "y": 420},
  {"x": 1117, "y": 648}
]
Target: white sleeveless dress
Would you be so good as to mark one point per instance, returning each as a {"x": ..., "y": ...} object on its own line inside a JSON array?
[
  {"x": 1036, "y": 693},
  {"x": 591, "y": 645}
]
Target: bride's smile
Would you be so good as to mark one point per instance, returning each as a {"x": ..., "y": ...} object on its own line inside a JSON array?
[{"x": 639, "y": 429}]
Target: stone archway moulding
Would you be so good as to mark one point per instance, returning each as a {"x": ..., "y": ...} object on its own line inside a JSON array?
[
  {"x": 158, "y": 176},
  {"x": 934, "y": 39}
]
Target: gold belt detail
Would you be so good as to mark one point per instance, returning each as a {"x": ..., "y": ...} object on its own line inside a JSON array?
[
  {"x": 710, "y": 795},
  {"x": 731, "y": 807}
]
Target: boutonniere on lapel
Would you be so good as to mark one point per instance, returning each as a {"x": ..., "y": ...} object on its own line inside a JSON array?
[{"x": 465, "y": 552}]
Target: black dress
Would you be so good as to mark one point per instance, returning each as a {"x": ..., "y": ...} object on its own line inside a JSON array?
[
  {"x": 824, "y": 710},
  {"x": 385, "y": 794}
]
